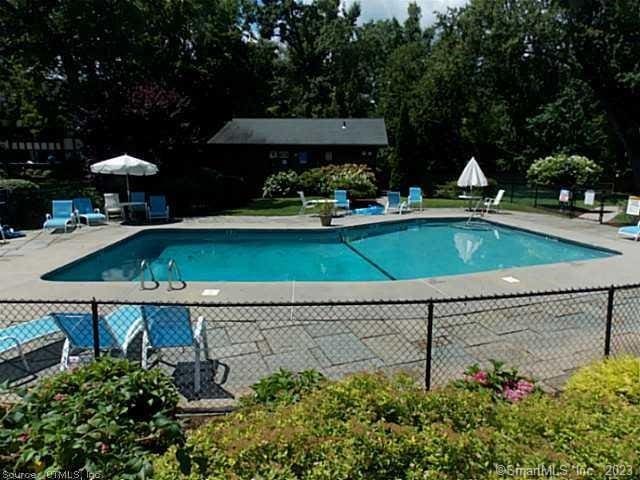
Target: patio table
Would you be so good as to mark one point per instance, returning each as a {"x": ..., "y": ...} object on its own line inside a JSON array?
[
  {"x": 127, "y": 209},
  {"x": 470, "y": 198}
]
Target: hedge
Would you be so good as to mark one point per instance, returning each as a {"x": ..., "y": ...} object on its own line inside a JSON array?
[
  {"x": 372, "y": 427},
  {"x": 104, "y": 419}
]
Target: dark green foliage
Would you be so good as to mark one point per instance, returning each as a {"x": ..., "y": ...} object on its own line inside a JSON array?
[
  {"x": 284, "y": 387},
  {"x": 505, "y": 81},
  {"x": 105, "y": 418},
  {"x": 28, "y": 201}
]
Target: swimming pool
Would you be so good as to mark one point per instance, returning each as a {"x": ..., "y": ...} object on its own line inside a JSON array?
[{"x": 400, "y": 250}]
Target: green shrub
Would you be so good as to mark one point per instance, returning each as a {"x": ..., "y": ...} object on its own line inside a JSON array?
[
  {"x": 359, "y": 180},
  {"x": 619, "y": 378},
  {"x": 28, "y": 202},
  {"x": 23, "y": 195},
  {"x": 284, "y": 387},
  {"x": 564, "y": 171},
  {"x": 105, "y": 418},
  {"x": 372, "y": 427},
  {"x": 281, "y": 184}
]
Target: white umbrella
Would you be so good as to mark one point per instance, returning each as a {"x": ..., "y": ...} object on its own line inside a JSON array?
[
  {"x": 472, "y": 176},
  {"x": 125, "y": 165}
]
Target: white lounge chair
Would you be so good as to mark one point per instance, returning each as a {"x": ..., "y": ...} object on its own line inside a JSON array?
[
  {"x": 112, "y": 206},
  {"x": 306, "y": 203},
  {"x": 631, "y": 231},
  {"x": 493, "y": 204}
]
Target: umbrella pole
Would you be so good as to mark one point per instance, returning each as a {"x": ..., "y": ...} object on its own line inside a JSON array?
[{"x": 128, "y": 190}]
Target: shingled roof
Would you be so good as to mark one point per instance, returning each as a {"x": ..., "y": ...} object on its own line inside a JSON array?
[{"x": 303, "y": 131}]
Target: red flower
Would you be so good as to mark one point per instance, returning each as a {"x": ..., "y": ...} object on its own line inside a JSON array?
[
  {"x": 480, "y": 377},
  {"x": 104, "y": 448},
  {"x": 23, "y": 437},
  {"x": 58, "y": 397}
]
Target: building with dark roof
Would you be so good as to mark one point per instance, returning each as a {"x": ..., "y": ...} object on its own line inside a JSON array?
[{"x": 271, "y": 144}]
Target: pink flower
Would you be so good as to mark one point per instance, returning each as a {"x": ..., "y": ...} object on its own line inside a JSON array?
[
  {"x": 58, "y": 397},
  {"x": 104, "y": 448},
  {"x": 480, "y": 377},
  {"x": 23, "y": 437},
  {"x": 525, "y": 386}
]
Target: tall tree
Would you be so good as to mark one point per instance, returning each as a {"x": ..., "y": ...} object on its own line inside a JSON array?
[{"x": 604, "y": 36}]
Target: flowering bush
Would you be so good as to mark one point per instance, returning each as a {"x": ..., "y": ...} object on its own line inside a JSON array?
[
  {"x": 359, "y": 180},
  {"x": 281, "y": 184},
  {"x": 564, "y": 171},
  {"x": 504, "y": 384},
  {"x": 104, "y": 418}
]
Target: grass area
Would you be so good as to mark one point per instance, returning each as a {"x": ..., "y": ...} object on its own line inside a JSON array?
[
  {"x": 282, "y": 207},
  {"x": 269, "y": 207}
]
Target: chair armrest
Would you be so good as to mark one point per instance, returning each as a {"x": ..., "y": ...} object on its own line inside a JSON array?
[
  {"x": 47, "y": 216},
  {"x": 96, "y": 210}
]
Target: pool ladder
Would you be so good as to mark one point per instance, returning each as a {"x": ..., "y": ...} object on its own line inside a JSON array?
[
  {"x": 475, "y": 211},
  {"x": 174, "y": 276},
  {"x": 145, "y": 267}
]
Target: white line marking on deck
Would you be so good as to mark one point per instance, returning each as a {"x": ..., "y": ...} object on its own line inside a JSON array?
[
  {"x": 210, "y": 292},
  {"x": 511, "y": 279}
]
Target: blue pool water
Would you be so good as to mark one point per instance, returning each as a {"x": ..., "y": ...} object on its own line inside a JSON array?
[{"x": 390, "y": 251}]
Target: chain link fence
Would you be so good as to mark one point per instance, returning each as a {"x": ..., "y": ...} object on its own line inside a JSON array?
[{"x": 215, "y": 352}]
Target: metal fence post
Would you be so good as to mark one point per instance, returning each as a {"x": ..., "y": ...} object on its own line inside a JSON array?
[
  {"x": 427, "y": 373},
  {"x": 95, "y": 326},
  {"x": 607, "y": 335},
  {"x": 601, "y": 208},
  {"x": 513, "y": 187},
  {"x": 535, "y": 198}
]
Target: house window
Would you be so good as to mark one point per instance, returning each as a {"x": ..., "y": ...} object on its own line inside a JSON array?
[
  {"x": 273, "y": 154},
  {"x": 283, "y": 154},
  {"x": 303, "y": 158},
  {"x": 328, "y": 156}
]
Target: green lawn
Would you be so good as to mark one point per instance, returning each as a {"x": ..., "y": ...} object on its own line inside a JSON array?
[
  {"x": 269, "y": 207},
  {"x": 282, "y": 207}
]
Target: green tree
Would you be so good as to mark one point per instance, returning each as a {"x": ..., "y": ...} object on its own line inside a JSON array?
[{"x": 604, "y": 40}]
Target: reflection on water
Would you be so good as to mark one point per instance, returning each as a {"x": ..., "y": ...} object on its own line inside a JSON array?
[
  {"x": 129, "y": 270},
  {"x": 467, "y": 244}
]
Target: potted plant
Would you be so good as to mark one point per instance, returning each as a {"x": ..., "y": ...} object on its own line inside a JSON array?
[{"x": 326, "y": 214}]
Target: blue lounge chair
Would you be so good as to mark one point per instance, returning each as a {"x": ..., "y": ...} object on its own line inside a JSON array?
[
  {"x": 116, "y": 331},
  {"x": 18, "y": 335},
  {"x": 415, "y": 197},
  {"x": 157, "y": 208},
  {"x": 170, "y": 327},
  {"x": 61, "y": 215},
  {"x": 84, "y": 209},
  {"x": 341, "y": 199},
  {"x": 138, "y": 197},
  {"x": 630, "y": 232},
  {"x": 394, "y": 203}
]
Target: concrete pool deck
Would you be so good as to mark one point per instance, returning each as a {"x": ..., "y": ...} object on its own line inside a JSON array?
[{"x": 24, "y": 261}]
